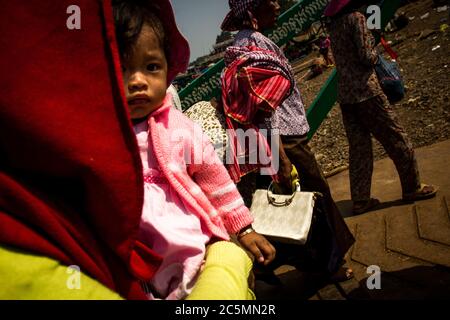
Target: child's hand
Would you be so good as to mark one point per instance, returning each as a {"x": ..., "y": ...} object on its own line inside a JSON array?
[{"x": 258, "y": 245}]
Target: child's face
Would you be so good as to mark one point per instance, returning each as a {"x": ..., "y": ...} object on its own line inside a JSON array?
[{"x": 145, "y": 75}]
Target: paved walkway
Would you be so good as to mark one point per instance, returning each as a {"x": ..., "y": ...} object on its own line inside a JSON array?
[{"x": 408, "y": 242}]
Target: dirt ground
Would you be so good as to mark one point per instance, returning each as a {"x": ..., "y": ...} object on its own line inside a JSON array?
[{"x": 424, "y": 112}]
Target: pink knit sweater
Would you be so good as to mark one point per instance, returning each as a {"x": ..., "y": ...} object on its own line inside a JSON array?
[{"x": 192, "y": 167}]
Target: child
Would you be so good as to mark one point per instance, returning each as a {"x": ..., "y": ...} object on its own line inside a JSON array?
[{"x": 189, "y": 198}]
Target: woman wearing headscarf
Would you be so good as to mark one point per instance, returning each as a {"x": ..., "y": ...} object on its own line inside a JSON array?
[{"x": 259, "y": 91}]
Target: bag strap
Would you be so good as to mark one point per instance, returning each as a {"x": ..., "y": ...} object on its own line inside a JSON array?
[{"x": 389, "y": 50}]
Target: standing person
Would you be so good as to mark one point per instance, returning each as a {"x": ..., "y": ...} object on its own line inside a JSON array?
[
  {"x": 283, "y": 112},
  {"x": 366, "y": 110},
  {"x": 189, "y": 199},
  {"x": 324, "y": 45}
]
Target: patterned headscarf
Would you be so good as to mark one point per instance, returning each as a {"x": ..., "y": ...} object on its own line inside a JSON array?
[
  {"x": 238, "y": 11},
  {"x": 254, "y": 79}
]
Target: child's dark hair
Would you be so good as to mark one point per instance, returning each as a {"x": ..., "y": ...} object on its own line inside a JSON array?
[{"x": 129, "y": 18}]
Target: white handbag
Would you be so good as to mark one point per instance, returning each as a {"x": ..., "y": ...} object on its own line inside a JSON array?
[{"x": 286, "y": 218}]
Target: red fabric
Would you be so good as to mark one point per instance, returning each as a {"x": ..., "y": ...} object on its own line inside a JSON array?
[
  {"x": 252, "y": 89},
  {"x": 245, "y": 91},
  {"x": 388, "y": 49},
  {"x": 70, "y": 171},
  {"x": 178, "y": 56}
]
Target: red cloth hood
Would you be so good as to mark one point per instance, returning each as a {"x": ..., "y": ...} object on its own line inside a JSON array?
[{"x": 70, "y": 173}]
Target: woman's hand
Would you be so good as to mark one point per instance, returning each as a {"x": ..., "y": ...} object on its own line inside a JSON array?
[{"x": 258, "y": 245}]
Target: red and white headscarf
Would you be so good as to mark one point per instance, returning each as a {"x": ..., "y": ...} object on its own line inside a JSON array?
[{"x": 254, "y": 80}]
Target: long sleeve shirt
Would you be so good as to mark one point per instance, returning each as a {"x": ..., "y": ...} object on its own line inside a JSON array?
[
  {"x": 189, "y": 163},
  {"x": 353, "y": 49}
]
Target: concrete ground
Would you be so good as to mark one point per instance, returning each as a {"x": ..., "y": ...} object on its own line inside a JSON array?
[{"x": 408, "y": 242}]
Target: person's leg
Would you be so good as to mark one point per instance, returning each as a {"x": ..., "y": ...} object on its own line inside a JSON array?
[
  {"x": 360, "y": 152},
  {"x": 327, "y": 57},
  {"x": 381, "y": 120},
  {"x": 331, "y": 57},
  {"x": 300, "y": 155},
  {"x": 385, "y": 127},
  {"x": 312, "y": 179}
]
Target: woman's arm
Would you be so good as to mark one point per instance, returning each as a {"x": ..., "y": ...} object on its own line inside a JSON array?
[
  {"x": 364, "y": 41},
  {"x": 284, "y": 171},
  {"x": 215, "y": 182}
]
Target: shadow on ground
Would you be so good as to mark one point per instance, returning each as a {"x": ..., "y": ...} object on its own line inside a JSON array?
[
  {"x": 345, "y": 206},
  {"x": 294, "y": 285},
  {"x": 409, "y": 284}
]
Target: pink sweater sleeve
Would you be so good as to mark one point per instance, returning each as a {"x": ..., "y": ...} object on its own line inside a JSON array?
[{"x": 215, "y": 182}]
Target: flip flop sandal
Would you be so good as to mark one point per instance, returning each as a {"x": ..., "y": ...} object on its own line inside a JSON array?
[
  {"x": 369, "y": 204},
  {"x": 424, "y": 192}
]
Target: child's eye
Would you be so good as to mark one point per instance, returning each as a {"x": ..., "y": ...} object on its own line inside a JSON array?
[{"x": 152, "y": 67}]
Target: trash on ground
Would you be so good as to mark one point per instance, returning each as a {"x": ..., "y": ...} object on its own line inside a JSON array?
[
  {"x": 426, "y": 33},
  {"x": 389, "y": 27},
  {"x": 441, "y": 9},
  {"x": 435, "y": 47},
  {"x": 412, "y": 100},
  {"x": 426, "y": 15}
]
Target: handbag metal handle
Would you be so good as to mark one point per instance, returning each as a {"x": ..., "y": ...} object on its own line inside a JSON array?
[{"x": 271, "y": 199}]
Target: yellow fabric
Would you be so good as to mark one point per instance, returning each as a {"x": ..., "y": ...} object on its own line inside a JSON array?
[
  {"x": 26, "y": 276},
  {"x": 295, "y": 180},
  {"x": 32, "y": 277},
  {"x": 225, "y": 274}
]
